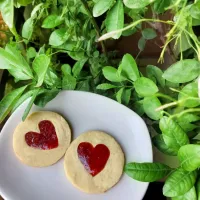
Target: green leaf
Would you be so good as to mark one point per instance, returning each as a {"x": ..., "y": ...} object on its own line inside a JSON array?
[
  {"x": 24, "y": 2},
  {"x": 106, "y": 86},
  {"x": 182, "y": 71},
  {"x": 145, "y": 87},
  {"x": 27, "y": 29},
  {"x": 52, "y": 21},
  {"x": 135, "y": 4},
  {"x": 138, "y": 107},
  {"x": 147, "y": 172},
  {"x": 126, "y": 96},
  {"x": 111, "y": 74},
  {"x": 119, "y": 95},
  {"x": 115, "y": 18},
  {"x": 66, "y": 69},
  {"x": 30, "y": 104},
  {"x": 160, "y": 6},
  {"x": 45, "y": 96},
  {"x": 141, "y": 44},
  {"x": 148, "y": 33},
  {"x": 8, "y": 102},
  {"x": 129, "y": 67},
  {"x": 195, "y": 10},
  {"x": 40, "y": 66},
  {"x": 189, "y": 156},
  {"x": 150, "y": 104},
  {"x": 23, "y": 98},
  {"x": 185, "y": 121},
  {"x": 31, "y": 52},
  {"x": 18, "y": 74},
  {"x": 78, "y": 67},
  {"x": 179, "y": 182},
  {"x": 51, "y": 78},
  {"x": 159, "y": 143},
  {"x": 83, "y": 85},
  {"x": 68, "y": 82},
  {"x": 190, "y": 90},
  {"x": 102, "y": 6},
  {"x": 58, "y": 37},
  {"x": 7, "y": 12},
  {"x": 190, "y": 195},
  {"x": 155, "y": 73},
  {"x": 173, "y": 134},
  {"x": 14, "y": 60}
]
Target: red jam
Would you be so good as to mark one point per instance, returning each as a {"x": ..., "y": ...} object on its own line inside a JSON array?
[
  {"x": 46, "y": 139},
  {"x": 93, "y": 159}
]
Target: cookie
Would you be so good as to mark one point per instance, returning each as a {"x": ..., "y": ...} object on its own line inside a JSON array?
[
  {"x": 42, "y": 139},
  {"x": 94, "y": 162}
]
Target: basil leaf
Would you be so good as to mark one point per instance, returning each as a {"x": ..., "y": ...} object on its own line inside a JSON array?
[
  {"x": 155, "y": 73},
  {"x": 40, "y": 66},
  {"x": 190, "y": 90},
  {"x": 189, "y": 156},
  {"x": 45, "y": 96},
  {"x": 194, "y": 10},
  {"x": 58, "y": 37},
  {"x": 179, "y": 182},
  {"x": 141, "y": 44},
  {"x": 52, "y": 21},
  {"x": 7, "y": 12},
  {"x": 148, "y": 33},
  {"x": 135, "y": 4},
  {"x": 173, "y": 134},
  {"x": 150, "y": 104},
  {"x": 145, "y": 87},
  {"x": 102, "y": 6},
  {"x": 68, "y": 82},
  {"x": 8, "y": 102},
  {"x": 78, "y": 67},
  {"x": 147, "y": 172},
  {"x": 106, "y": 86},
  {"x": 111, "y": 74},
  {"x": 159, "y": 143},
  {"x": 119, "y": 95},
  {"x": 30, "y": 104},
  {"x": 190, "y": 195},
  {"x": 115, "y": 18},
  {"x": 129, "y": 67},
  {"x": 27, "y": 29},
  {"x": 182, "y": 71},
  {"x": 23, "y": 98}
]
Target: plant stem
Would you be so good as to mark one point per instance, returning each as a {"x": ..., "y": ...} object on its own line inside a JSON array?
[
  {"x": 167, "y": 106},
  {"x": 110, "y": 34},
  {"x": 186, "y": 111},
  {"x": 165, "y": 96},
  {"x": 98, "y": 31}
]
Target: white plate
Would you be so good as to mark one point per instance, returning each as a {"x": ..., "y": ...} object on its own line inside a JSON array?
[{"x": 84, "y": 111}]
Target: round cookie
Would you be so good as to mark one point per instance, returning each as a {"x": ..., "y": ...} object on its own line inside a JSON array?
[
  {"x": 42, "y": 139},
  {"x": 94, "y": 162}
]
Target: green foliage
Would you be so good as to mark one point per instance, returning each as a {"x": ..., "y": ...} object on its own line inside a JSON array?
[{"x": 147, "y": 172}]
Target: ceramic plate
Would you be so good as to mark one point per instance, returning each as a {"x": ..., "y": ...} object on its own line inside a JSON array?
[{"x": 84, "y": 111}]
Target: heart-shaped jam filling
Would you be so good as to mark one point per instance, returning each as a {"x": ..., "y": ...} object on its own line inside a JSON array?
[
  {"x": 93, "y": 159},
  {"x": 46, "y": 139}
]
